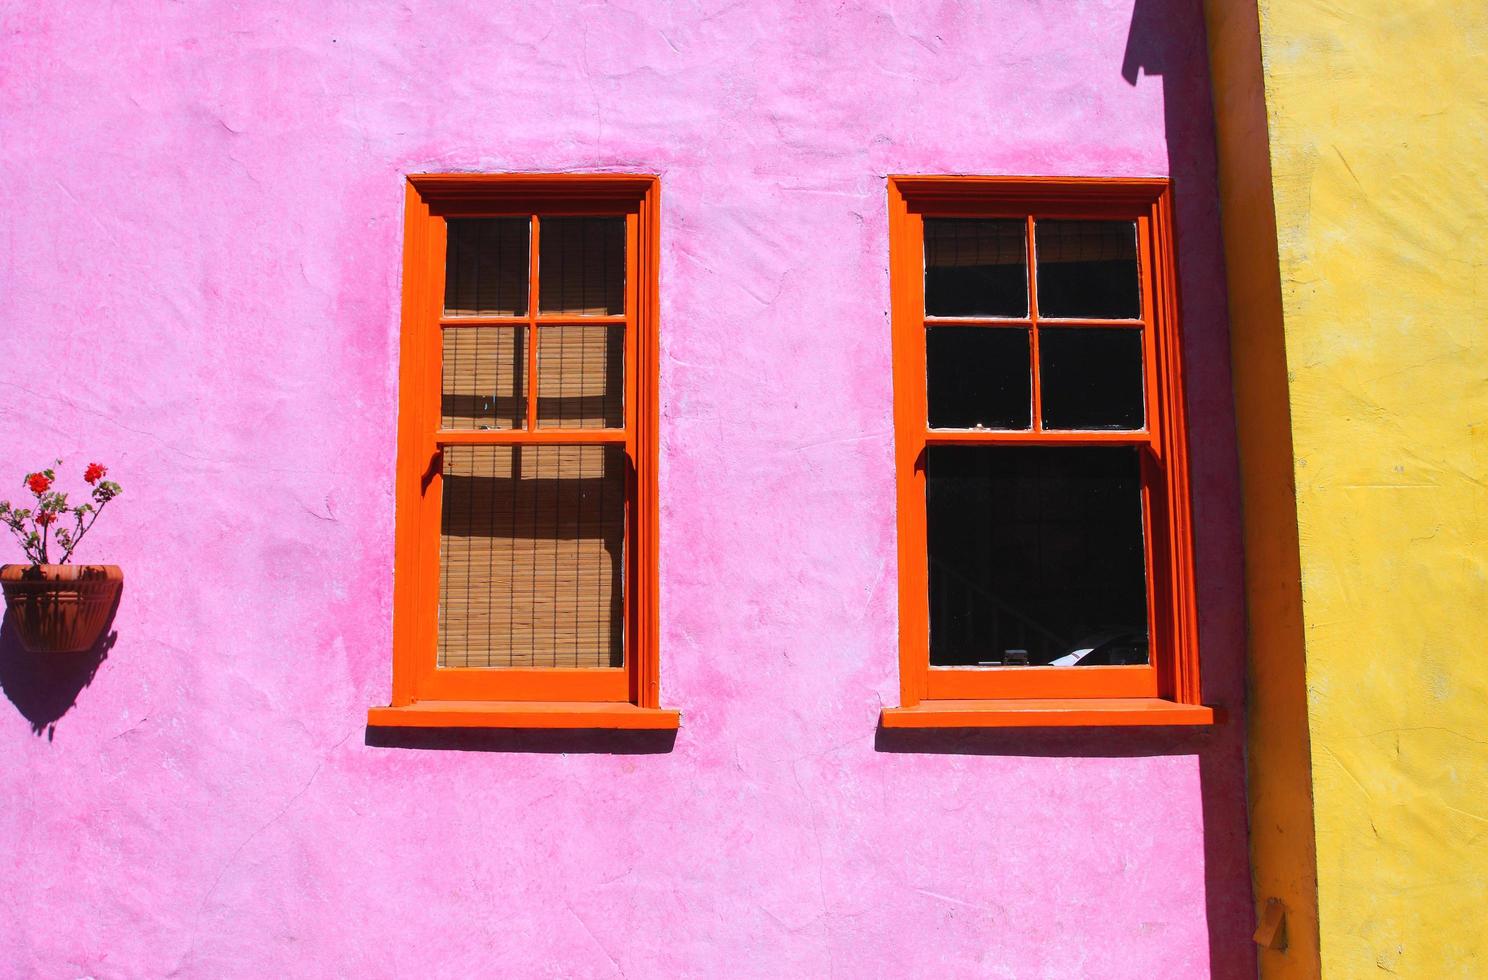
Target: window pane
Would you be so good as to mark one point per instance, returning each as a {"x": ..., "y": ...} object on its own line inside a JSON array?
[
  {"x": 580, "y": 381},
  {"x": 1091, "y": 378},
  {"x": 485, "y": 378},
  {"x": 975, "y": 267},
  {"x": 531, "y": 556},
  {"x": 581, "y": 266},
  {"x": 1036, "y": 556},
  {"x": 486, "y": 267},
  {"x": 1088, "y": 269},
  {"x": 978, "y": 376}
]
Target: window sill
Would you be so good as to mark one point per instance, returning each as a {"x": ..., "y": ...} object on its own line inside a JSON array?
[
  {"x": 1049, "y": 713},
  {"x": 524, "y": 714}
]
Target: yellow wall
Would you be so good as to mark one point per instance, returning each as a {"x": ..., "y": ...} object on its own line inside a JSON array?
[{"x": 1377, "y": 112}]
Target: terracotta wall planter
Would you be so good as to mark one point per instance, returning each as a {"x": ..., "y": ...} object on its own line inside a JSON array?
[{"x": 60, "y": 608}]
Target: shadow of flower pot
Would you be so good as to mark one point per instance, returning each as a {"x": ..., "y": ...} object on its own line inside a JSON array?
[{"x": 45, "y": 686}]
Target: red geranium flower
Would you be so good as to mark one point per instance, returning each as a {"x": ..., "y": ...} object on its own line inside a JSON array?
[
  {"x": 95, "y": 472},
  {"x": 39, "y": 483},
  {"x": 46, "y": 517}
]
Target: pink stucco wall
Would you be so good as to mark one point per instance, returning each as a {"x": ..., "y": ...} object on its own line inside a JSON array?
[{"x": 200, "y": 232}]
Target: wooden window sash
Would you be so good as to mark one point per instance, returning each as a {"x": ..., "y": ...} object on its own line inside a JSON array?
[
  {"x": 430, "y": 200},
  {"x": 1171, "y": 674}
]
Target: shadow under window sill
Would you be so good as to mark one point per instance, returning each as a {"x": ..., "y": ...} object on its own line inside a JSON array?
[{"x": 524, "y": 726}]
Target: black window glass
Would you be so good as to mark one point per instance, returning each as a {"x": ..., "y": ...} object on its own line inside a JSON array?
[
  {"x": 975, "y": 267},
  {"x": 978, "y": 376},
  {"x": 1036, "y": 556},
  {"x": 1091, "y": 378},
  {"x": 1087, "y": 269}
]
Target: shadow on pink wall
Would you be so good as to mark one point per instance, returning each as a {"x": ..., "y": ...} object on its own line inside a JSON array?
[
  {"x": 1152, "y": 49},
  {"x": 559, "y": 742},
  {"x": 1230, "y": 950},
  {"x": 45, "y": 686}
]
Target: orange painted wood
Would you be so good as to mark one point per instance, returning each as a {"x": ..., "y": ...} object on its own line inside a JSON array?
[
  {"x": 907, "y": 305},
  {"x": 1048, "y": 713},
  {"x": 414, "y": 454},
  {"x": 546, "y": 319},
  {"x": 1135, "y": 681},
  {"x": 1172, "y": 676},
  {"x": 527, "y": 684},
  {"x": 430, "y": 200},
  {"x": 525, "y": 437},
  {"x": 993, "y": 321},
  {"x": 1060, "y": 437},
  {"x": 522, "y": 714},
  {"x": 1036, "y": 387}
]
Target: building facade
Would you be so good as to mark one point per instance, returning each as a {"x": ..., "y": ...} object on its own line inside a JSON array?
[{"x": 244, "y": 248}]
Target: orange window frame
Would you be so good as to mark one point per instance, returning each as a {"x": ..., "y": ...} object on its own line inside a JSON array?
[
  {"x": 1166, "y": 689},
  {"x": 425, "y": 694}
]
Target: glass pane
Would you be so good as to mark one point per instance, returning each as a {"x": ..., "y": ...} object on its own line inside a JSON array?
[
  {"x": 1036, "y": 556},
  {"x": 975, "y": 267},
  {"x": 485, "y": 378},
  {"x": 582, "y": 266},
  {"x": 532, "y": 548},
  {"x": 486, "y": 267},
  {"x": 1088, "y": 269},
  {"x": 580, "y": 377},
  {"x": 978, "y": 376},
  {"x": 1091, "y": 378}
]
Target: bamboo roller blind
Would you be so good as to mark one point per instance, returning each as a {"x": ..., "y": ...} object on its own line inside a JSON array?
[
  {"x": 532, "y": 542},
  {"x": 532, "y": 556},
  {"x": 952, "y": 242},
  {"x": 485, "y": 378}
]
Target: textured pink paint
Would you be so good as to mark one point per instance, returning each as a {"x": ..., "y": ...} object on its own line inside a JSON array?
[{"x": 200, "y": 207}]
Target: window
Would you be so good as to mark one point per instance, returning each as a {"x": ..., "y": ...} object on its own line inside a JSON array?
[
  {"x": 525, "y": 576},
  {"x": 1045, "y": 567}
]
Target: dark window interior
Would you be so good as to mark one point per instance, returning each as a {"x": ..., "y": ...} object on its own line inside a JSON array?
[
  {"x": 1087, "y": 269},
  {"x": 978, "y": 376},
  {"x": 1091, "y": 377},
  {"x": 975, "y": 267},
  {"x": 1036, "y": 556}
]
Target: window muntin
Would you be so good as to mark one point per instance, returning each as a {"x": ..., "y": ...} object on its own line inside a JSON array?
[
  {"x": 526, "y": 519},
  {"x": 988, "y": 367},
  {"x": 1041, "y": 473}
]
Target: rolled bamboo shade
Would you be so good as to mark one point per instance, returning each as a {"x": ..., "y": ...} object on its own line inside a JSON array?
[
  {"x": 1087, "y": 241},
  {"x": 486, "y": 267},
  {"x": 1088, "y": 268},
  {"x": 580, "y": 374},
  {"x": 532, "y": 556},
  {"x": 582, "y": 266},
  {"x": 485, "y": 378},
  {"x": 956, "y": 242}
]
